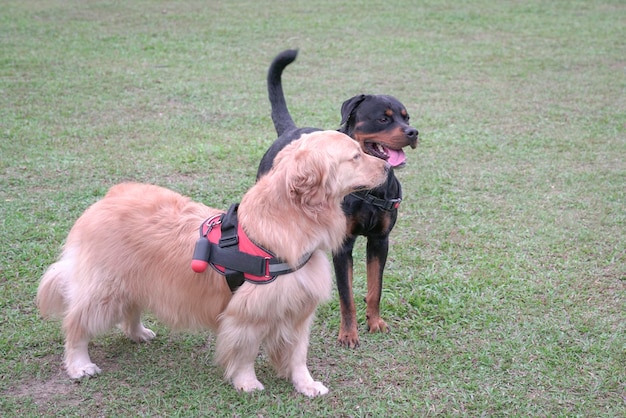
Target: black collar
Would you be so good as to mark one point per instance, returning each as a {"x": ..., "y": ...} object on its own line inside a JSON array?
[{"x": 385, "y": 204}]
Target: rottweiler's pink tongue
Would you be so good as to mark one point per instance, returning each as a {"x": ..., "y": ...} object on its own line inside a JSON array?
[{"x": 396, "y": 157}]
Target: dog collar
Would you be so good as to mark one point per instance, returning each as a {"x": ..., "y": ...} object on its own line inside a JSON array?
[
  {"x": 224, "y": 245},
  {"x": 385, "y": 204}
]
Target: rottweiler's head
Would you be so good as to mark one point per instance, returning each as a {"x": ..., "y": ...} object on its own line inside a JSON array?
[{"x": 380, "y": 124}]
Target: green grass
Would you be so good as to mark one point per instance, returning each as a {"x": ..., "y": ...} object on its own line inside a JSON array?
[{"x": 506, "y": 282}]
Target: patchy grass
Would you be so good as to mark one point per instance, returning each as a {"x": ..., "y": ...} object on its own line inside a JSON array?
[{"x": 505, "y": 286}]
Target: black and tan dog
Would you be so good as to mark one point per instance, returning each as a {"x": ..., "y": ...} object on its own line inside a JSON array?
[{"x": 380, "y": 124}]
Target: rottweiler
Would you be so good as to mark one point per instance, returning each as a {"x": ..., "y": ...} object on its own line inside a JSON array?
[{"x": 380, "y": 124}]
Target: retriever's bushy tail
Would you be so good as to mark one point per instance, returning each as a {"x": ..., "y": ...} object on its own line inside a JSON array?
[{"x": 53, "y": 286}]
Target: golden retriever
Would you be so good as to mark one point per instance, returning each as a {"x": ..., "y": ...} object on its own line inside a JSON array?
[{"x": 131, "y": 252}]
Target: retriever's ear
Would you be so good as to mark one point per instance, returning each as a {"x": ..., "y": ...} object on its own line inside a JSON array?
[{"x": 309, "y": 179}]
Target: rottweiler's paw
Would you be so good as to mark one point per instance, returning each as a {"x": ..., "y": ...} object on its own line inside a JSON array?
[
  {"x": 377, "y": 325},
  {"x": 349, "y": 339}
]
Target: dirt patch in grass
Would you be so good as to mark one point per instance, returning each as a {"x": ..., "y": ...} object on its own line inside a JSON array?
[{"x": 58, "y": 389}]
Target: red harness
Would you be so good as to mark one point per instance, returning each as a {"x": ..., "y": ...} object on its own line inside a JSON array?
[{"x": 224, "y": 245}]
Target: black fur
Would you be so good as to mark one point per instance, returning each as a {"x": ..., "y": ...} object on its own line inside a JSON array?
[{"x": 369, "y": 119}]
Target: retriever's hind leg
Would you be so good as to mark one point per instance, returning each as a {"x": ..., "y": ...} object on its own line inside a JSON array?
[
  {"x": 77, "y": 361},
  {"x": 133, "y": 327},
  {"x": 79, "y": 325}
]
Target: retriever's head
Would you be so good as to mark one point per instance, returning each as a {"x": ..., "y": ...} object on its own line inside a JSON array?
[{"x": 324, "y": 166}]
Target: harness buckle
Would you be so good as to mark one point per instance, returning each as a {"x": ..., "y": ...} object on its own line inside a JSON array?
[
  {"x": 394, "y": 203},
  {"x": 267, "y": 274},
  {"x": 228, "y": 241}
]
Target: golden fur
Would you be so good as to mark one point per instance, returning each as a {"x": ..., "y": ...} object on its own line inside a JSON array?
[{"x": 131, "y": 252}]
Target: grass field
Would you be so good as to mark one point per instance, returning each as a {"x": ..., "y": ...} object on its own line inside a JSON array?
[{"x": 506, "y": 282}]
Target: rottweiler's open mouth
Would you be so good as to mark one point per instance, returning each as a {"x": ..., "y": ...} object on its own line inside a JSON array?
[{"x": 394, "y": 157}]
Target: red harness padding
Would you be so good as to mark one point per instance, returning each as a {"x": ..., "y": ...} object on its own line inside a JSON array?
[{"x": 224, "y": 245}]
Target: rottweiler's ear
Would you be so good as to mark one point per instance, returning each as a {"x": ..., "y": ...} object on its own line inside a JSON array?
[{"x": 348, "y": 107}]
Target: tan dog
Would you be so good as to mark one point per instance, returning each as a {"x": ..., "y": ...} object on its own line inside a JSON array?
[{"x": 131, "y": 252}]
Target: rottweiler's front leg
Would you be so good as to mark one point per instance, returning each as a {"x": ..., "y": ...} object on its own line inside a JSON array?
[
  {"x": 342, "y": 260},
  {"x": 377, "y": 249}
]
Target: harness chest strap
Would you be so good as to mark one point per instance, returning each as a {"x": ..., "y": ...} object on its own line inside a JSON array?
[{"x": 225, "y": 246}]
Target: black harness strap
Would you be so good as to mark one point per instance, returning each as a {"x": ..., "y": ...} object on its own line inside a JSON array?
[
  {"x": 385, "y": 204},
  {"x": 229, "y": 259}
]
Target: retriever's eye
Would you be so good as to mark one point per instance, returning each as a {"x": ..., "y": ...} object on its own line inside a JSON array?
[{"x": 356, "y": 157}]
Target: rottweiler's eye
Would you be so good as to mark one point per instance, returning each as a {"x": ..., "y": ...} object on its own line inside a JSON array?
[{"x": 384, "y": 119}]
